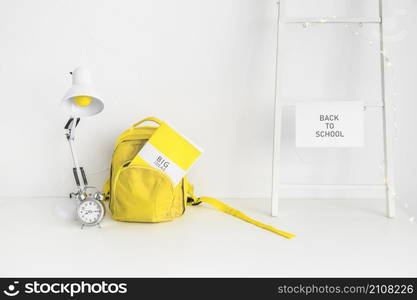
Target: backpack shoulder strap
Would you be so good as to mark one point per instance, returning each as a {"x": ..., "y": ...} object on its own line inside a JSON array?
[
  {"x": 193, "y": 200},
  {"x": 238, "y": 214},
  {"x": 106, "y": 189}
]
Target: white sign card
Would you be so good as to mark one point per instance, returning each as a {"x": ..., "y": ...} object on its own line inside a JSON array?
[{"x": 329, "y": 124}]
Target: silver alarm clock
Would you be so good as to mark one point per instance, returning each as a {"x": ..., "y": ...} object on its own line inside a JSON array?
[{"x": 90, "y": 208}]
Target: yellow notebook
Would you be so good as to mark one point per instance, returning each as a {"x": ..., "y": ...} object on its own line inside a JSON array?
[{"x": 170, "y": 152}]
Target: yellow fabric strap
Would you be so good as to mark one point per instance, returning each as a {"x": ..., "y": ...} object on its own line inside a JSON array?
[
  {"x": 106, "y": 189},
  {"x": 234, "y": 212}
]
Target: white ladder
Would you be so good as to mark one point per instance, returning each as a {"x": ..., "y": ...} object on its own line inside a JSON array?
[{"x": 387, "y": 121}]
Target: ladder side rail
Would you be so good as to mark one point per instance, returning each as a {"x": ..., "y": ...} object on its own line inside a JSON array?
[
  {"x": 387, "y": 127},
  {"x": 277, "y": 128}
]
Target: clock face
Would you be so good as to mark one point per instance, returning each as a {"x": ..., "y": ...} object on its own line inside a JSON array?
[{"x": 90, "y": 212}]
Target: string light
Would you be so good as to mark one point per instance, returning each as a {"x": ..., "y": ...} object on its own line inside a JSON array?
[
  {"x": 382, "y": 168},
  {"x": 394, "y": 94}
]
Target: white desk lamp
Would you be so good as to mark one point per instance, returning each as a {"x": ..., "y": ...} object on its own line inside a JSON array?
[{"x": 81, "y": 100}]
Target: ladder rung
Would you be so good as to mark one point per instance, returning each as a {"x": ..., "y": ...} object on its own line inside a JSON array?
[
  {"x": 372, "y": 20},
  {"x": 289, "y": 103},
  {"x": 332, "y": 186}
]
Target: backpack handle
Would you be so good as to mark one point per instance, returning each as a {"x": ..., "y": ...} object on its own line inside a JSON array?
[{"x": 150, "y": 119}]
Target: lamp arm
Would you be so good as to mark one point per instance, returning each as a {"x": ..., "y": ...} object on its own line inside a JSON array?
[{"x": 70, "y": 128}]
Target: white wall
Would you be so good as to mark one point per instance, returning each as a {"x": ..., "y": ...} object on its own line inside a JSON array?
[{"x": 205, "y": 66}]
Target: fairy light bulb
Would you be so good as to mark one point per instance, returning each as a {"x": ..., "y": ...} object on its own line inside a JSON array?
[
  {"x": 382, "y": 165},
  {"x": 82, "y": 100}
]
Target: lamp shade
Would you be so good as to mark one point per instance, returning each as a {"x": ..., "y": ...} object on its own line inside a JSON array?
[{"x": 81, "y": 100}]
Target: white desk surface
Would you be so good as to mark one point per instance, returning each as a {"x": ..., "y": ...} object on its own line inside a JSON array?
[{"x": 335, "y": 238}]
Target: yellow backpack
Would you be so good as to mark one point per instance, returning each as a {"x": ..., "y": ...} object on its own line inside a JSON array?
[{"x": 141, "y": 193}]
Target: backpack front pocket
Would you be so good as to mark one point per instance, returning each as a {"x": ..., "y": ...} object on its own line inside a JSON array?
[{"x": 142, "y": 194}]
